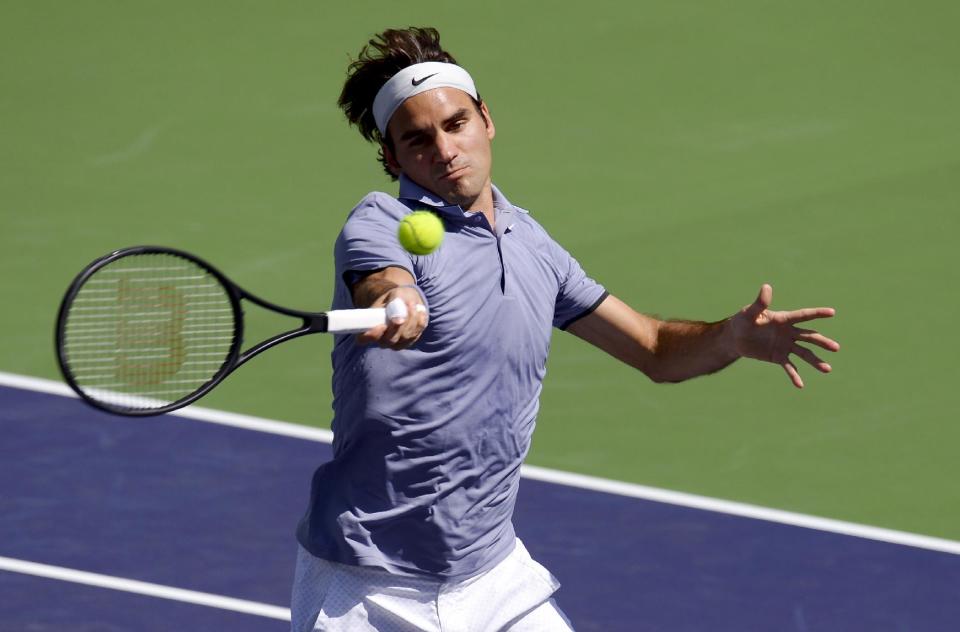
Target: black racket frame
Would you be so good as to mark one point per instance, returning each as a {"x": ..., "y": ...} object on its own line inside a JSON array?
[{"x": 312, "y": 322}]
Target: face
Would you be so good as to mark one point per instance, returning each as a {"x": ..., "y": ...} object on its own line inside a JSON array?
[{"x": 441, "y": 142}]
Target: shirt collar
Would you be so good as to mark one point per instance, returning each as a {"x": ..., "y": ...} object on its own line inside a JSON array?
[
  {"x": 410, "y": 190},
  {"x": 413, "y": 192}
]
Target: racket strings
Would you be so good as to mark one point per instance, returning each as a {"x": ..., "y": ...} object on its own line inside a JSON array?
[{"x": 148, "y": 330}]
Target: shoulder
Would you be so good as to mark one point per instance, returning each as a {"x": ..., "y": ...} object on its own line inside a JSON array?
[
  {"x": 378, "y": 206},
  {"x": 524, "y": 221},
  {"x": 538, "y": 240}
]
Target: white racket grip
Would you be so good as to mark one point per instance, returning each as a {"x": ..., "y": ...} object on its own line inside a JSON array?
[{"x": 355, "y": 321}]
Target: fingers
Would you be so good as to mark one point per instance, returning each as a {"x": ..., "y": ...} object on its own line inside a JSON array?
[
  {"x": 423, "y": 317},
  {"x": 392, "y": 336},
  {"x": 764, "y": 298},
  {"x": 402, "y": 332},
  {"x": 811, "y": 358},
  {"x": 371, "y": 335},
  {"x": 792, "y": 373},
  {"x": 781, "y": 336},
  {"x": 809, "y": 313},
  {"x": 816, "y": 338},
  {"x": 808, "y": 356},
  {"x": 406, "y": 319}
]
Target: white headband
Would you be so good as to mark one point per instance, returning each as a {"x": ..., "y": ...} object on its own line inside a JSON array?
[{"x": 415, "y": 79}]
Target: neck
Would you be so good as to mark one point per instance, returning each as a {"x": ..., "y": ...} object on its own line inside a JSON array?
[{"x": 483, "y": 203}]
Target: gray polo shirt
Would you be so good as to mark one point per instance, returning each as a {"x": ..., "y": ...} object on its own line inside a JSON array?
[{"x": 428, "y": 441}]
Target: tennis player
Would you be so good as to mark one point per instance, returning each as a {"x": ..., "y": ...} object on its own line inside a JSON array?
[{"x": 409, "y": 526}]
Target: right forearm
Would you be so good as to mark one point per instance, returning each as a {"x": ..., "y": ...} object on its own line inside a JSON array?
[
  {"x": 368, "y": 290},
  {"x": 381, "y": 286}
]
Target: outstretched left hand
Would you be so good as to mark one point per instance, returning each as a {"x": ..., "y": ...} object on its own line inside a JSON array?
[{"x": 762, "y": 334}]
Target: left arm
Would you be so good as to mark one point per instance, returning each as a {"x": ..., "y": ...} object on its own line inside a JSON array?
[{"x": 677, "y": 350}]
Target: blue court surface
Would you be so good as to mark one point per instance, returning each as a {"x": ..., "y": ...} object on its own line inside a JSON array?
[{"x": 172, "y": 523}]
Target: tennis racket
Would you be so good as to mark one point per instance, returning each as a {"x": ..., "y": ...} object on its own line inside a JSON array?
[{"x": 146, "y": 330}]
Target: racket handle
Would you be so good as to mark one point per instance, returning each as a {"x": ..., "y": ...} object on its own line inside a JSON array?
[{"x": 355, "y": 321}]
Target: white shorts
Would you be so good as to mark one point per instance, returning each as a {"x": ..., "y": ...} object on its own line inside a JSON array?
[{"x": 514, "y": 595}]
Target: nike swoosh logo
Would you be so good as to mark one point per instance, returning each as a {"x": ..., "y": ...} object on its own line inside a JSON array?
[{"x": 417, "y": 82}]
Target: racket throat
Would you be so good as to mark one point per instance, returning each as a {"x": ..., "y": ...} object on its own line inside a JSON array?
[{"x": 315, "y": 324}]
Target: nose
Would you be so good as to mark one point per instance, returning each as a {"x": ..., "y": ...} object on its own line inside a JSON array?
[{"x": 446, "y": 148}]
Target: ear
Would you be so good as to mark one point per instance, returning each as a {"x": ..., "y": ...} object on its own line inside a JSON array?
[
  {"x": 491, "y": 129},
  {"x": 392, "y": 163}
]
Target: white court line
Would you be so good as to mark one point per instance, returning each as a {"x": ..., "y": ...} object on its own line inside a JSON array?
[
  {"x": 569, "y": 479},
  {"x": 144, "y": 588},
  {"x": 236, "y": 420},
  {"x": 741, "y": 509}
]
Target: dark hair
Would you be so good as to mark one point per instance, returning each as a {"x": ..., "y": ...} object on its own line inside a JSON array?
[{"x": 380, "y": 59}]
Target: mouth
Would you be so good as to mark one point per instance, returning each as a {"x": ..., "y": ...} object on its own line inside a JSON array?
[{"x": 455, "y": 174}]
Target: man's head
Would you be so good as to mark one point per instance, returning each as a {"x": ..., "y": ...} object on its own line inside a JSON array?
[{"x": 427, "y": 117}]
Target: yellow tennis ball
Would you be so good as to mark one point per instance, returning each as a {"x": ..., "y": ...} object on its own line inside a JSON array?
[{"x": 420, "y": 232}]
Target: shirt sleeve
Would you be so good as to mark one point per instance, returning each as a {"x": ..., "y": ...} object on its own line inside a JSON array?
[
  {"x": 368, "y": 241},
  {"x": 579, "y": 295}
]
